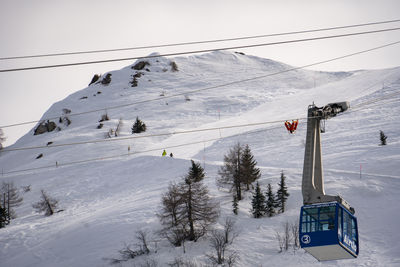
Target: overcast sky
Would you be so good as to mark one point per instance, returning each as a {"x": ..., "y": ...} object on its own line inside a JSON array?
[{"x": 51, "y": 26}]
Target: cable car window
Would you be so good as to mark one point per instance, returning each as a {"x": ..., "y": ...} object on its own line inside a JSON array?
[
  {"x": 340, "y": 224},
  {"x": 347, "y": 224},
  {"x": 353, "y": 230},
  {"x": 327, "y": 218},
  {"x": 309, "y": 220}
]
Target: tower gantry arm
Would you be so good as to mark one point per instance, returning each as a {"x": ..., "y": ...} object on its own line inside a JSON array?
[{"x": 313, "y": 179}]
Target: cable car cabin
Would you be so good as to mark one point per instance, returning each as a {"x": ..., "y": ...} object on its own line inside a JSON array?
[{"x": 328, "y": 231}]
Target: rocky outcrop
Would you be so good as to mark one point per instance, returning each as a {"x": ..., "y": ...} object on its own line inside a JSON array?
[
  {"x": 45, "y": 127},
  {"x": 140, "y": 65}
]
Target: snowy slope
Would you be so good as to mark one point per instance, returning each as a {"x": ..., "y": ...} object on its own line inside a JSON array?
[{"x": 106, "y": 201}]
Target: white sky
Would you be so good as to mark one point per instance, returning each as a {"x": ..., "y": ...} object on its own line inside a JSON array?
[{"x": 50, "y": 26}]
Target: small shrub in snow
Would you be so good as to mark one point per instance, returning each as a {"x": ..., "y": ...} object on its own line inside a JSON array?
[
  {"x": 65, "y": 120},
  {"x": 26, "y": 189},
  {"x": 110, "y": 133},
  {"x": 134, "y": 82},
  {"x": 127, "y": 253},
  {"x": 174, "y": 66},
  {"x": 104, "y": 117},
  {"x": 179, "y": 262},
  {"x": 66, "y": 111},
  {"x": 383, "y": 138}
]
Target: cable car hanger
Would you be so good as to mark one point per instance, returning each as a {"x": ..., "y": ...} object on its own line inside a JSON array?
[{"x": 328, "y": 227}]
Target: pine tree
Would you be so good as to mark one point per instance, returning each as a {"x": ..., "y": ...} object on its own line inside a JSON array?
[
  {"x": 230, "y": 173},
  {"x": 250, "y": 173},
  {"x": 235, "y": 205},
  {"x": 199, "y": 211},
  {"x": 139, "y": 126},
  {"x": 3, "y": 217},
  {"x": 383, "y": 138},
  {"x": 258, "y": 203},
  {"x": 282, "y": 194},
  {"x": 270, "y": 203},
  {"x": 196, "y": 173}
]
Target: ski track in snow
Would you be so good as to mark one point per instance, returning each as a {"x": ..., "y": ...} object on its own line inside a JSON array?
[{"x": 106, "y": 202}]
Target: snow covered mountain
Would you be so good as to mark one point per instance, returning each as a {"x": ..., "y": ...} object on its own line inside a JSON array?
[{"x": 198, "y": 107}]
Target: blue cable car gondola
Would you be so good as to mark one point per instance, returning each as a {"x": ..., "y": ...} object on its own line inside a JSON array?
[
  {"x": 328, "y": 228},
  {"x": 328, "y": 231}
]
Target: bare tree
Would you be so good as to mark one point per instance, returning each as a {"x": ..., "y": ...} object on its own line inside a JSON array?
[
  {"x": 232, "y": 258},
  {"x": 141, "y": 235},
  {"x": 9, "y": 199},
  {"x": 171, "y": 215},
  {"x": 280, "y": 240},
  {"x": 179, "y": 262},
  {"x": 187, "y": 210},
  {"x": 229, "y": 230},
  {"x": 119, "y": 126},
  {"x": 127, "y": 253},
  {"x": 47, "y": 204},
  {"x": 294, "y": 227},
  {"x": 284, "y": 239},
  {"x": 220, "y": 241},
  {"x": 230, "y": 172}
]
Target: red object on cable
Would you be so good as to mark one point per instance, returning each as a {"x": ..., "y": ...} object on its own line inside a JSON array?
[{"x": 291, "y": 127}]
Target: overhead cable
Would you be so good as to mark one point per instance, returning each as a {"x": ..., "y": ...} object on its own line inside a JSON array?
[
  {"x": 199, "y": 42},
  {"x": 197, "y": 51}
]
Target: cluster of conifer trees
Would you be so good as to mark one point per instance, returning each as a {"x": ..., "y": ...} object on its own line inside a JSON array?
[
  {"x": 188, "y": 211},
  {"x": 268, "y": 204}
]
